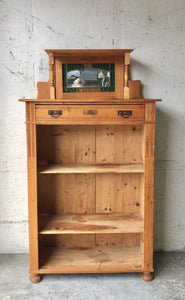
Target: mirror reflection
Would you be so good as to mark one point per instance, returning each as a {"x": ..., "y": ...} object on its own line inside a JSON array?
[{"x": 88, "y": 77}]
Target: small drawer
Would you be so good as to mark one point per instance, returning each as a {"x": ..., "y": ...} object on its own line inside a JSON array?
[{"x": 89, "y": 114}]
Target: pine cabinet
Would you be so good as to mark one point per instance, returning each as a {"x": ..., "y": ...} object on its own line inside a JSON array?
[{"x": 90, "y": 151}]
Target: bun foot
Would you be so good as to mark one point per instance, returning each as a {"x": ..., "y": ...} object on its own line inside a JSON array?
[
  {"x": 147, "y": 276},
  {"x": 34, "y": 278}
]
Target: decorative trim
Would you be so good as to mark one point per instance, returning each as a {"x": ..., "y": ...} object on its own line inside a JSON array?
[
  {"x": 52, "y": 75},
  {"x": 126, "y": 75}
]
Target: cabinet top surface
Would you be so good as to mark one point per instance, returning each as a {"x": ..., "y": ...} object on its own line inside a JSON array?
[
  {"x": 88, "y": 52},
  {"x": 89, "y": 101}
]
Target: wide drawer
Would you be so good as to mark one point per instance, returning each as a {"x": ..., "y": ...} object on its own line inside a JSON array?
[{"x": 89, "y": 114}]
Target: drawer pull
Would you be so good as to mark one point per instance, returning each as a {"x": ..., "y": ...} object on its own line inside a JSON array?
[
  {"x": 125, "y": 113},
  {"x": 90, "y": 112},
  {"x": 55, "y": 113}
]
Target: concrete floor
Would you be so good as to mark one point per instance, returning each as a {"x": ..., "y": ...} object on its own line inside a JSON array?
[{"x": 169, "y": 282}]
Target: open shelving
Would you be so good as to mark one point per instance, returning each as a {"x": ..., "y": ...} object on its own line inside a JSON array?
[
  {"x": 91, "y": 168},
  {"x": 101, "y": 259},
  {"x": 96, "y": 223},
  {"x": 90, "y": 193}
]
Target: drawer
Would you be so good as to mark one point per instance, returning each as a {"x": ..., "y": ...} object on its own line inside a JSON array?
[{"x": 89, "y": 114}]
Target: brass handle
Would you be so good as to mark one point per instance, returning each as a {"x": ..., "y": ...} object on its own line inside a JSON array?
[
  {"x": 55, "y": 113},
  {"x": 90, "y": 112},
  {"x": 125, "y": 113}
]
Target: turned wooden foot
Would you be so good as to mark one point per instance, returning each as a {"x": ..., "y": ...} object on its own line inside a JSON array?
[
  {"x": 147, "y": 276},
  {"x": 35, "y": 278}
]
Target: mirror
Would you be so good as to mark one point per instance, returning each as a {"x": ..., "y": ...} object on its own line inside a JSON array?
[
  {"x": 89, "y": 77},
  {"x": 80, "y": 77}
]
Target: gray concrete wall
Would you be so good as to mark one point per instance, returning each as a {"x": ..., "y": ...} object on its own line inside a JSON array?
[{"x": 156, "y": 30}]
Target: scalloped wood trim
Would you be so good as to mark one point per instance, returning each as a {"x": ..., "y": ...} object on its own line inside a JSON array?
[
  {"x": 134, "y": 89},
  {"x": 43, "y": 90}
]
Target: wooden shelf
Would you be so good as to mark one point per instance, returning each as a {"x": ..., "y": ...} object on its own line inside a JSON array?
[
  {"x": 100, "y": 259},
  {"x": 97, "y": 223},
  {"x": 91, "y": 168}
]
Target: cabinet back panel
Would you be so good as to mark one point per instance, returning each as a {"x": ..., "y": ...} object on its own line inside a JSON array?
[
  {"x": 67, "y": 193},
  {"x": 67, "y": 144},
  {"x": 67, "y": 240},
  {"x": 90, "y": 193},
  {"x": 126, "y": 239},
  {"x": 118, "y": 144},
  {"x": 90, "y": 143},
  {"x": 88, "y": 240},
  {"x": 118, "y": 193}
]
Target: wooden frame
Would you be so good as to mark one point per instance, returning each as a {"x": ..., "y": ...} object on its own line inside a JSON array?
[
  {"x": 119, "y": 78},
  {"x": 90, "y": 174}
]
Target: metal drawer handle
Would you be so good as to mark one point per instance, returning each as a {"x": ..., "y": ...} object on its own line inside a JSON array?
[
  {"x": 90, "y": 112},
  {"x": 125, "y": 113},
  {"x": 55, "y": 113}
]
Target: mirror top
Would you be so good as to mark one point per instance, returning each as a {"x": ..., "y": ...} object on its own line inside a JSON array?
[{"x": 88, "y": 52}]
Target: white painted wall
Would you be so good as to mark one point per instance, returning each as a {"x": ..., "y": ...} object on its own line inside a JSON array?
[{"x": 156, "y": 30}]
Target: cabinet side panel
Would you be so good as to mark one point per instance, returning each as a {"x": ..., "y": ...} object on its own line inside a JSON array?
[
  {"x": 32, "y": 187},
  {"x": 149, "y": 186},
  {"x": 45, "y": 197},
  {"x": 44, "y": 144}
]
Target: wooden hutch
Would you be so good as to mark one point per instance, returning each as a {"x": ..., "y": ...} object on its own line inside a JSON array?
[{"x": 90, "y": 147}]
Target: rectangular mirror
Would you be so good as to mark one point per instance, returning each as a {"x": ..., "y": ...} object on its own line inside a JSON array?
[{"x": 79, "y": 76}]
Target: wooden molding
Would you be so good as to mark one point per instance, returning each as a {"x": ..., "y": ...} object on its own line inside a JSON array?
[
  {"x": 52, "y": 75},
  {"x": 126, "y": 76}
]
